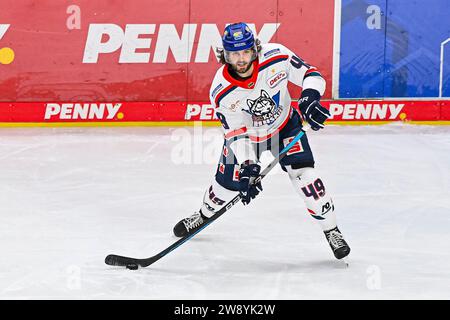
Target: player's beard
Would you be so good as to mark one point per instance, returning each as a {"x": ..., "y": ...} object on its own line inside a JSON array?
[{"x": 242, "y": 69}]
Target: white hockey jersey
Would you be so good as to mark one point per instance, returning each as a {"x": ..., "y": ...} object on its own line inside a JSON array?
[{"x": 259, "y": 107}]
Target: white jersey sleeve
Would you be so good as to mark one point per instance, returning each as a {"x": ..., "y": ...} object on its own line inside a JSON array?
[{"x": 302, "y": 74}]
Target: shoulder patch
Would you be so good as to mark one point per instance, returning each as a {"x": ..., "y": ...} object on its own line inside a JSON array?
[{"x": 271, "y": 53}]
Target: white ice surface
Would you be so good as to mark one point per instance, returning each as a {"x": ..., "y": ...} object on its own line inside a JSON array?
[{"x": 70, "y": 196}]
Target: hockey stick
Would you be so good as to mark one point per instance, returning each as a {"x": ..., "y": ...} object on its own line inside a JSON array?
[{"x": 133, "y": 263}]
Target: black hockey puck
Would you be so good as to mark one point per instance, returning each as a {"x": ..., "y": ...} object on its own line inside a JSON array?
[{"x": 132, "y": 266}]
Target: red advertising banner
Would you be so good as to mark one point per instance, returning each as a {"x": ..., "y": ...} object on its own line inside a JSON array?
[
  {"x": 64, "y": 62},
  {"x": 155, "y": 113},
  {"x": 159, "y": 50}
]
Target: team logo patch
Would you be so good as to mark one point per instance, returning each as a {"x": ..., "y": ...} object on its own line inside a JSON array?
[
  {"x": 238, "y": 35},
  {"x": 234, "y": 106},
  {"x": 264, "y": 109},
  {"x": 276, "y": 79}
]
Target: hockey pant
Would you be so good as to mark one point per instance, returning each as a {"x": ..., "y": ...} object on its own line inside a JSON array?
[{"x": 298, "y": 163}]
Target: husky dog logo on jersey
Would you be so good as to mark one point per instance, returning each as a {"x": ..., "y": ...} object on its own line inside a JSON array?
[
  {"x": 264, "y": 109},
  {"x": 262, "y": 105}
]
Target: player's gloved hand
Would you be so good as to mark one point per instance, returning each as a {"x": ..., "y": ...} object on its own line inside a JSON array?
[
  {"x": 248, "y": 173},
  {"x": 313, "y": 112}
]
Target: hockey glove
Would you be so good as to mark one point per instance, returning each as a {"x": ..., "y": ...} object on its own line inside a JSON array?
[
  {"x": 313, "y": 112},
  {"x": 247, "y": 175}
]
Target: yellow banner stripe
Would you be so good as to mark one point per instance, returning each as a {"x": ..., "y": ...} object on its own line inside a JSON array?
[{"x": 189, "y": 123}]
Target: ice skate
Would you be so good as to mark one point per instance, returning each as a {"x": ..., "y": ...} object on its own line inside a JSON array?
[
  {"x": 189, "y": 225},
  {"x": 337, "y": 243}
]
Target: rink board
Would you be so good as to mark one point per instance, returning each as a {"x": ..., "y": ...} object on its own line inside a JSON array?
[
  {"x": 159, "y": 50},
  {"x": 153, "y": 64},
  {"x": 180, "y": 113}
]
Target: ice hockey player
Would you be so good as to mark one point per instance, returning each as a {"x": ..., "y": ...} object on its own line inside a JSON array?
[{"x": 251, "y": 99}]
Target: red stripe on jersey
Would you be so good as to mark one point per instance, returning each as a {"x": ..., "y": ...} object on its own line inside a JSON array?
[
  {"x": 235, "y": 133},
  {"x": 260, "y": 139},
  {"x": 310, "y": 71},
  {"x": 221, "y": 93},
  {"x": 272, "y": 59}
]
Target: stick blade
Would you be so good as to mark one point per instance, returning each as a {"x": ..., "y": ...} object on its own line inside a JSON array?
[{"x": 115, "y": 260}]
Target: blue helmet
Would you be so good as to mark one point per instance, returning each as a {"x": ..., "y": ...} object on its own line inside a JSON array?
[{"x": 238, "y": 36}]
